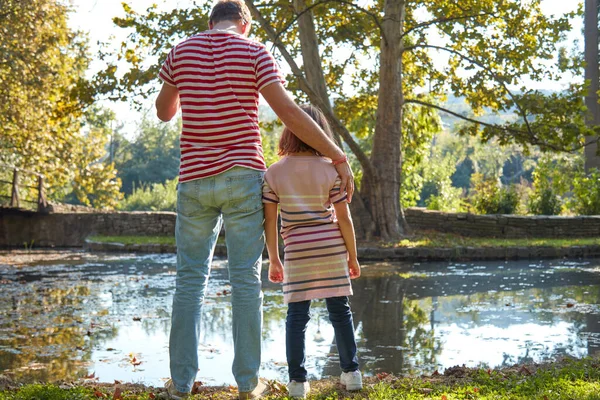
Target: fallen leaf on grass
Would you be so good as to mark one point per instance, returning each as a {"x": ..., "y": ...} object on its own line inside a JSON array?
[
  {"x": 117, "y": 394},
  {"x": 444, "y": 397},
  {"x": 91, "y": 376},
  {"x": 426, "y": 390},
  {"x": 435, "y": 373},
  {"x": 99, "y": 394},
  {"x": 382, "y": 375},
  {"x": 196, "y": 387},
  {"x": 151, "y": 395},
  {"x": 524, "y": 370}
]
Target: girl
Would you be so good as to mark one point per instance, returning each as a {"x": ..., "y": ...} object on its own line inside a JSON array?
[{"x": 320, "y": 250}]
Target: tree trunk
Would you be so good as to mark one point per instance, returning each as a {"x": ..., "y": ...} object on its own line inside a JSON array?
[
  {"x": 592, "y": 159},
  {"x": 376, "y": 209},
  {"x": 310, "y": 56},
  {"x": 384, "y": 192}
]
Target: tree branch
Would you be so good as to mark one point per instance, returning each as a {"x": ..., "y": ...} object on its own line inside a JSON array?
[
  {"x": 318, "y": 3},
  {"x": 316, "y": 99},
  {"x": 444, "y": 20},
  {"x": 533, "y": 138},
  {"x": 485, "y": 68}
]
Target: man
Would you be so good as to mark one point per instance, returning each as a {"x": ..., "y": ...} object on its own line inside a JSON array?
[{"x": 216, "y": 77}]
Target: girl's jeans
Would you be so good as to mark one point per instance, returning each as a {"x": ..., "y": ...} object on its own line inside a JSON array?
[
  {"x": 340, "y": 316},
  {"x": 203, "y": 205}
]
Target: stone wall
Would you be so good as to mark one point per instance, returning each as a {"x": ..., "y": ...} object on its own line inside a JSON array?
[
  {"x": 507, "y": 226},
  {"x": 18, "y": 227}
]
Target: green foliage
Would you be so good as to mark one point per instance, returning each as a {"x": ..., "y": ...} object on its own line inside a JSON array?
[
  {"x": 586, "y": 193},
  {"x": 544, "y": 199},
  {"x": 420, "y": 124},
  {"x": 490, "y": 197},
  {"x": 154, "y": 197},
  {"x": 151, "y": 157},
  {"x": 43, "y": 91}
]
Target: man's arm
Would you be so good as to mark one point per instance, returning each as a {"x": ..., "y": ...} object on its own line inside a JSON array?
[
  {"x": 167, "y": 102},
  {"x": 307, "y": 130}
]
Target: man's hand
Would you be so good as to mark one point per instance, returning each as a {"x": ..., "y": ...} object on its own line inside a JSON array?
[
  {"x": 275, "y": 271},
  {"x": 347, "y": 178}
]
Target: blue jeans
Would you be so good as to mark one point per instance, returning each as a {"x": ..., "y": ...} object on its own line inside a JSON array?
[
  {"x": 203, "y": 205},
  {"x": 340, "y": 316}
]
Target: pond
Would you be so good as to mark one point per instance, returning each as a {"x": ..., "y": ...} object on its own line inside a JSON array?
[{"x": 109, "y": 315}]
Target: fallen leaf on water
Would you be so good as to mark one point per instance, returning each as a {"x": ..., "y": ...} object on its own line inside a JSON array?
[
  {"x": 117, "y": 394},
  {"x": 225, "y": 292},
  {"x": 570, "y": 305},
  {"x": 110, "y": 349},
  {"x": 219, "y": 293},
  {"x": 137, "y": 318}
]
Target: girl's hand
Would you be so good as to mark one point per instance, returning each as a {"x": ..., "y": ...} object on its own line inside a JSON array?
[
  {"x": 354, "y": 268},
  {"x": 275, "y": 271}
]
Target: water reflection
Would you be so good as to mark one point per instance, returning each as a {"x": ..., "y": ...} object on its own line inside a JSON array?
[{"x": 62, "y": 321}]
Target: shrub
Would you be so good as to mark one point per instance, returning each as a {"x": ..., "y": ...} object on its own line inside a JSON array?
[
  {"x": 586, "y": 193},
  {"x": 156, "y": 197},
  {"x": 490, "y": 198},
  {"x": 545, "y": 199}
]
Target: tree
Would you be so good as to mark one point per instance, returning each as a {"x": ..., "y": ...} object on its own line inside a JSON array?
[
  {"x": 152, "y": 157},
  {"x": 45, "y": 102},
  {"x": 592, "y": 158},
  {"x": 43, "y": 91},
  {"x": 376, "y": 59}
]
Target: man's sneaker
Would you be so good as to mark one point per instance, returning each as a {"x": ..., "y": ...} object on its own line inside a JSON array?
[
  {"x": 352, "y": 380},
  {"x": 259, "y": 392},
  {"x": 172, "y": 393},
  {"x": 298, "y": 389}
]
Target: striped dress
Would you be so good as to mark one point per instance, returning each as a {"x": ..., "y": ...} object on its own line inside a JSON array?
[{"x": 315, "y": 262}]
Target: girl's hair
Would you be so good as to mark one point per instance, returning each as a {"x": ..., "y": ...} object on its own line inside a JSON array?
[{"x": 289, "y": 143}]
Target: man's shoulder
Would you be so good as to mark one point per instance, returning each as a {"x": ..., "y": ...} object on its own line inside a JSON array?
[{"x": 204, "y": 37}]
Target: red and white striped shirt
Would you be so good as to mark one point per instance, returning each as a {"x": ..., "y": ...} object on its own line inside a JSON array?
[{"x": 219, "y": 75}]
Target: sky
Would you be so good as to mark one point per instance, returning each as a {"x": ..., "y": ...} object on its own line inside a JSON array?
[{"x": 95, "y": 18}]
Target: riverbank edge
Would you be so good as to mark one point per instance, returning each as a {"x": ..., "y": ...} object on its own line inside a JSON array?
[
  {"x": 564, "y": 378},
  {"x": 458, "y": 253}
]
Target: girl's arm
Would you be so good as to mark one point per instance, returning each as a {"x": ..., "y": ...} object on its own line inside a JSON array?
[
  {"x": 347, "y": 228},
  {"x": 275, "y": 267}
]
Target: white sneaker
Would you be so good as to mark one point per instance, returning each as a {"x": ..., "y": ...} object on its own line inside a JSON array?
[
  {"x": 352, "y": 380},
  {"x": 172, "y": 393},
  {"x": 298, "y": 389}
]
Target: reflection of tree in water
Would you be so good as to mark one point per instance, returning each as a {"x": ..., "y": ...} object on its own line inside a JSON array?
[
  {"x": 45, "y": 332},
  {"x": 392, "y": 327}
]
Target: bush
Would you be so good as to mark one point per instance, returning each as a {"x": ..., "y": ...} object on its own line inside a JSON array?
[
  {"x": 157, "y": 197},
  {"x": 586, "y": 193},
  {"x": 490, "y": 198},
  {"x": 544, "y": 201}
]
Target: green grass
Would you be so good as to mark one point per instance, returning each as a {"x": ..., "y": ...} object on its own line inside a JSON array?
[
  {"x": 570, "y": 379},
  {"x": 437, "y": 239},
  {"x": 168, "y": 240}
]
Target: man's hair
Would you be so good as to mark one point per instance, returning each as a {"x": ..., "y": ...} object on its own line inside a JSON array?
[
  {"x": 289, "y": 143},
  {"x": 230, "y": 10}
]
